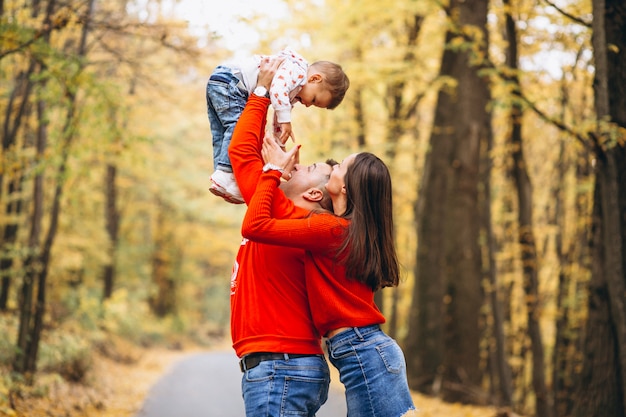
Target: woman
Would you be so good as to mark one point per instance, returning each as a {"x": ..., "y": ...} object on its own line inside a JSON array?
[{"x": 350, "y": 255}]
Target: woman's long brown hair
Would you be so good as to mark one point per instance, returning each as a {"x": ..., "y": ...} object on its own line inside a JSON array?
[{"x": 369, "y": 248}]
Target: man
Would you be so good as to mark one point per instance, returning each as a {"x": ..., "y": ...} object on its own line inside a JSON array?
[{"x": 285, "y": 371}]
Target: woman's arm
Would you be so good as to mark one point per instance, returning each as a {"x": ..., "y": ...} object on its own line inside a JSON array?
[{"x": 321, "y": 232}]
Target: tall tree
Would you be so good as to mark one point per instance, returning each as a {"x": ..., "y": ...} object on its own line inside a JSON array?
[
  {"x": 16, "y": 112},
  {"x": 572, "y": 254},
  {"x": 500, "y": 376},
  {"x": 29, "y": 327},
  {"x": 165, "y": 258},
  {"x": 112, "y": 226},
  {"x": 444, "y": 318},
  {"x": 401, "y": 108},
  {"x": 18, "y": 107},
  {"x": 526, "y": 235},
  {"x": 603, "y": 385},
  {"x": 37, "y": 264}
]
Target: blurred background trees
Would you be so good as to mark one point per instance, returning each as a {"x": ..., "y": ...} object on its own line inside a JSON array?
[{"x": 502, "y": 123}]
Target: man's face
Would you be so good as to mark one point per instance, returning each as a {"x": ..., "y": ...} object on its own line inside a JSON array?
[{"x": 305, "y": 177}]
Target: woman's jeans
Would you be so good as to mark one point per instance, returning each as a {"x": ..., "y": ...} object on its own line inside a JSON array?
[
  {"x": 294, "y": 387},
  {"x": 225, "y": 99},
  {"x": 372, "y": 369}
]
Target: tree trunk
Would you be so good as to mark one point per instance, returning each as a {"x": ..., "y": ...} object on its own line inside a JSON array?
[
  {"x": 398, "y": 112},
  {"x": 379, "y": 300},
  {"x": 600, "y": 390},
  {"x": 112, "y": 226},
  {"x": 531, "y": 282},
  {"x": 564, "y": 340},
  {"x": 526, "y": 237},
  {"x": 15, "y": 113},
  {"x": 393, "y": 316},
  {"x": 396, "y": 103},
  {"x": 111, "y": 212},
  {"x": 501, "y": 378},
  {"x": 25, "y": 360},
  {"x": 359, "y": 117},
  {"x": 37, "y": 265},
  {"x": 573, "y": 265},
  {"x": 164, "y": 301},
  {"x": 425, "y": 337},
  {"x": 445, "y": 333},
  {"x": 13, "y": 210},
  {"x": 463, "y": 297},
  {"x": 603, "y": 387}
]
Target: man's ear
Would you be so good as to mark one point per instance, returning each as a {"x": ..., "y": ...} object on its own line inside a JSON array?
[
  {"x": 315, "y": 78},
  {"x": 314, "y": 195}
]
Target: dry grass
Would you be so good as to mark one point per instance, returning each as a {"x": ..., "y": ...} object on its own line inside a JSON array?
[
  {"x": 434, "y": 407},
  {"x": 117, "y": 388},
  {"x": 114, "y": 388}
]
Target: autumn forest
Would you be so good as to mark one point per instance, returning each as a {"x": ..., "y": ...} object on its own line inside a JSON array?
[{"x": 503, "y": 123}]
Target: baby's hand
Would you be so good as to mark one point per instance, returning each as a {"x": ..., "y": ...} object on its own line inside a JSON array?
[{"x": 286, "y": 133}]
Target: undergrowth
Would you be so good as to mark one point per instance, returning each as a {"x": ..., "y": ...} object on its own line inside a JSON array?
[{"x": 66, "y": 352}]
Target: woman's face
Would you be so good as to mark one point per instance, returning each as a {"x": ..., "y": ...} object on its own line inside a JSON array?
[{"x": 336, "y": 181}]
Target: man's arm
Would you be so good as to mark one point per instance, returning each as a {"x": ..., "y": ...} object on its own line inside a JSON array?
[{"x": 245, "y": 145}]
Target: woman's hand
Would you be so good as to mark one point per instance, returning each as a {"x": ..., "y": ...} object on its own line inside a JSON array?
[{"x": 275, "y": 154}]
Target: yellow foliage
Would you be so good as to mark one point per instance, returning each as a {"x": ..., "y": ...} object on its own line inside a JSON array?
[
  {"x": 142, "y": 110},
  {"x": 434, "y": 407}
]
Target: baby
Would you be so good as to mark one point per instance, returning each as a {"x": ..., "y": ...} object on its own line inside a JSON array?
[{"x": 321, "y": 84}]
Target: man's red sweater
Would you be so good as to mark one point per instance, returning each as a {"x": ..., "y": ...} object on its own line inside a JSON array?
[{"x": 269, "y": 303}]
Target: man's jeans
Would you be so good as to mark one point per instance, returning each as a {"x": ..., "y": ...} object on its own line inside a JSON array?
[
  {"x": 225, "y": 102},
  {"x": 294, "y": 387},
  {"x": 373, "y": 370}
]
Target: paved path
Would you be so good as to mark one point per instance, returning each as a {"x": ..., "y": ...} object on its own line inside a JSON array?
[{"x": 209, "y": 385}]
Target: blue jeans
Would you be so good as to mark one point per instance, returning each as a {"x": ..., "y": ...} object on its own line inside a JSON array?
[
  {"x": 372, "y": 368},
  {"x": 225, "y": 99},
  {"x": 294, "y": 387}
]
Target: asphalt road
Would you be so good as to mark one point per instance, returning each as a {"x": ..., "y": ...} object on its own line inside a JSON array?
[{"x": 209, "y": 385}]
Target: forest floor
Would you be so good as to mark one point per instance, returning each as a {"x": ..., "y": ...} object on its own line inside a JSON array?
[{"x": 116, "y": 387}]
